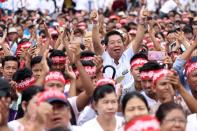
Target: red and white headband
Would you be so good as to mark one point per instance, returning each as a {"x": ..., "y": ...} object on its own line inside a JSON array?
[
  {"x": 191, "y": 67},
  {"x": 143, "y": 123},
  {"x": 91, "y": 70},
  {"x": 105, "y": 81},
  {"x": 58, "y": 59},
  {"x": 24, "y": 84},
  {"x": 138, "y": 62},
  {"x": 144, "y": 75},
  {"x": 55, "y": 75},
  {"x": 160, "y": 73},
  {"x": 87, "y": 58}
]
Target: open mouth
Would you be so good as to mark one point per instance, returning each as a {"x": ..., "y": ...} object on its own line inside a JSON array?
[{"x": 117, "y": 50}]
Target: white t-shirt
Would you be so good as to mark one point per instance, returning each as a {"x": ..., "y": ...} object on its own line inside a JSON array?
[
  {"x": 93, "y": 125},
  {"x": 168, "y": 6},
  {"x": 73, "y": 103},
  {"x": 87, "y": 114},
  {"x": 47, "y": 6},
  {"x": 15, "y": 125},
  {"x": 191, "y": 122},
  {"x": 151, "y": 102},
  {"x": 122, "y": 69}
]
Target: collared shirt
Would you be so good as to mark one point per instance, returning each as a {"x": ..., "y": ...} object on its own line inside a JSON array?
[{"x": 122, "y": 69}]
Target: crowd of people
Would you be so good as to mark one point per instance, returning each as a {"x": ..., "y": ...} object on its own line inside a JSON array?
[{"x": 128, "y": 65}]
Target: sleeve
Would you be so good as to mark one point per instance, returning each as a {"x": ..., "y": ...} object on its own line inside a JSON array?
[
  {"x": 129, "y": 53},
  {"x": 72, "y": 101},
  {"x": 179, "y": 65}
]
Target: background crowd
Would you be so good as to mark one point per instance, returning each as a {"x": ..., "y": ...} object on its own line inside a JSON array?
[{"x": 98, "y": 65}]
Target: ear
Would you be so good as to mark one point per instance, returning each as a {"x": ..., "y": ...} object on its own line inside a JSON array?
[{"x": 24, "y": 106}]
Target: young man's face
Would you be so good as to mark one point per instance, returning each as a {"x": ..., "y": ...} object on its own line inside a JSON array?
[
  {"x": 37, "y": 70},
  {"x": 136, "y": 74},
  {"x": 164, "y": 90},
  {"x": 115, "y": 46},
  {"x": 9, "y": 69},
  {"x": 192, "y": 81},
  {"x": 60, "y": 116}
]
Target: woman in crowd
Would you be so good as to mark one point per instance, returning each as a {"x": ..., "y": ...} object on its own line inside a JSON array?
[
  {"x": 105, "y": 103},
  {"x": 172, "y": 117},
  {"x": 134, "y": 104},
  {"x": 26, "y": 110}
]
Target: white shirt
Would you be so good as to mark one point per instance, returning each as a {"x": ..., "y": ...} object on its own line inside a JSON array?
[
  {"x": 93, "y": 125},
  {"x": 151, "y": 102},
  {"x": 193, "y": 5},
  {"x": 122, "y": 69},
  {"x": 87, "y": 114},
  {"x": 191, "y": 122},
  {"x": 152, "y": 5},
  {"x": 32, "y": 4},
  {"x": 47, "y": 5},
  {"x": 168, "y": 6},
  {"x": 15, "y": 125}
]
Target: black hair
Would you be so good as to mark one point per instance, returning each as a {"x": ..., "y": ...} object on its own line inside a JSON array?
[
  {"x": 86, "y": 54},
  {"x": 114, "y": 32},
  {"x": 55, "y": 52},
  {"x": 10, "y": 58},
  {"x": 131, "y": 95},
  {"x": 59, "y": 129},
  {"x": 171, "y": 31},
  {"x": 165, "y": 108},
  {"x": 37, "y": 60},
  {"x": 22, "y": 74},
  {"x": 101, "y": 91},
  {"x": 139, "y": 55},
  {"x": 27, "y": 95},
  {"x": 151, "y": 65},
  {"x": 84, "y": 63},
  {"x": 188, "y": 29}
]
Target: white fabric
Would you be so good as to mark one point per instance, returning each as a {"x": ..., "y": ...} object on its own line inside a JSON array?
[
  {"x": 15, "y": 125},
  {"x": 73, "y": 103},
  {"x": 93, "y": 125},
  {"x": 152, "y": 5},
  {"x": 87, "y": 114},
  {"x": 193, "y": 5},
  {"x": 10, "y": 5},
  {"x": 32, "y": 5},
  {"x": 191, "y": 122},
  {"x": 168, "y": 6},
  {"x": 151, "y": 102},
  {"x": 47, "y": 5},
  {"x": 122, "y": 69}
]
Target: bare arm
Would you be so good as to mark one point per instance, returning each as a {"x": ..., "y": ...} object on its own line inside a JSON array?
[
  {"x": 95, "y": 34},
  {"x": 136, "y": 43}
]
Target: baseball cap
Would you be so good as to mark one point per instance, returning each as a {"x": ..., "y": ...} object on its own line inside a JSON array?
[
  {"x": 5, "y": 88},
  {"x": 52, "y": 95}
]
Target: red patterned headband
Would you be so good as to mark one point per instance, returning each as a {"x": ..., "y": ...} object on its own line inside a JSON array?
[
  {"x": 190, "y": 67},
  {"x": 91, "y": 70},
  {"x": 51, "y": 93},
  {"x": 144, "y": 75},
  {"x": 143, "y": 123},
  {"x": 87, "y": 58},
  {"x": 25, "y": 84},
  {"x": 160, "y": 73},
  {"x": 150, "y": 45},
  {"x": 55, "y": 75},
  {"x": 105, "y": 81},
  {"x": 138, "y": 62},
  {"x": 58, "y": 59}
]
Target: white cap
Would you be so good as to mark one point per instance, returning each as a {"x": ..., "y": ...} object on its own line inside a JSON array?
[{"x": 12, "y": 30}]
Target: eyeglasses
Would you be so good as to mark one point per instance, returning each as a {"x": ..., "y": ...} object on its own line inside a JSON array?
[{"x": 173, "y": 120}]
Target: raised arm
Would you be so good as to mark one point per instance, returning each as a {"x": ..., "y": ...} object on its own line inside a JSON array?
[
  {"x": 189, "y": 100},
  {"x": 95, "y": 34},
  {"x": 84, "y": 97},
  {"x": 136, "y": 43}
]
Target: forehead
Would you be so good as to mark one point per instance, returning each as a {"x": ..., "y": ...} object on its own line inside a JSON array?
[
  {"x": 54, "y": 82},
  {"x": 109, "y": 96},
  {"x": 11, "y": 63},
  {"x": 114, "y": 37}
]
